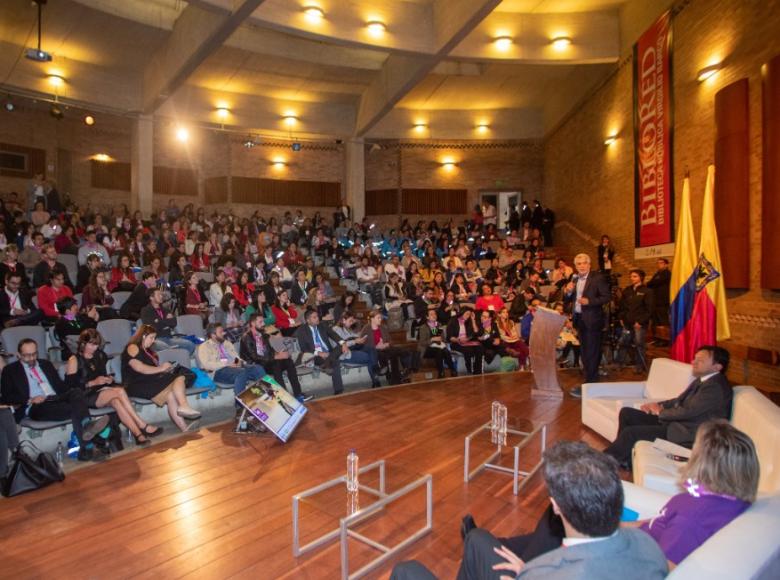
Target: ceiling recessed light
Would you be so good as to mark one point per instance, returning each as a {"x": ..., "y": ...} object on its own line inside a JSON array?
[
  {"x": 89, "y": 120},
  {"x": 56, "y": 80},
  {"x": 503, "y": 43},
  {"x": 561, "y": 43},
  {"x": 182, "y": 134},
  {"x": 376, "y": 28},
  {"x": 708, "y": 72},
  {"x": 313, "y": 14}
]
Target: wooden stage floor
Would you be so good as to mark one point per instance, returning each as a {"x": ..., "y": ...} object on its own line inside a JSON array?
[{"x": 216, "y": 505}]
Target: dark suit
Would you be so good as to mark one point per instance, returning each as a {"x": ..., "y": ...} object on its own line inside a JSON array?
[
  {"x": 248, "y": 352},
  {"x": 33, "y": 317},
  {"x": 67, "y": 403},
  {"x": 331, "y": 341},
  {"x": 138, "y": 298},
  {"x": 590, "y": 322},
  {"x": 679, "y": 419},
  {"x": 659, "y": 284}
]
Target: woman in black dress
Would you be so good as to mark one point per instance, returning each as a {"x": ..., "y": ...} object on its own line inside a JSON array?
[
  {"x": 86, "y": 369},
  {"x": 144, "y": 377}
]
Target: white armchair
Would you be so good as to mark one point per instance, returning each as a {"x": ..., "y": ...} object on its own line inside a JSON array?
[
  {"x": 753, "y": 414},
  {"x": 601, "y": 402},
  {"x": 746, "y": 548}
]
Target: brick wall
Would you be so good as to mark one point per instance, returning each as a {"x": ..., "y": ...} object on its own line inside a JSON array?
[{"x": 591, "y": 186}]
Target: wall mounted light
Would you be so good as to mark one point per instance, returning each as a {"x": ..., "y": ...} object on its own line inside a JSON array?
[
  {"x": 55, "y": 80},
  {"x": 89, "y": 120},
  {"x": 102, "y": 157},
  {"x": 503, "y": 43},
  {"x": 448, "y": 164},
  {"x": 561, "y": 43},
  {"x": 278, "y": 163},
  {"x": 482, "y": 128},
  {"x": 420, "y": 127},
  {"x": 708, "y": 72},
  {"x": 610, "y": 140},
  {"x": 222, "y": 112},
  {"x": 290, "y": 120},
  {"x": 376, "y": 28},
  {"x": 182, "y": 134},
  {"x": 313, "y": 14}
]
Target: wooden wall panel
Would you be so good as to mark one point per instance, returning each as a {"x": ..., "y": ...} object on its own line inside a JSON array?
[
  {"x": 285, "y": 192},
  {"x": 382, "y": 202},
  {"x": 174, "y": 181},
  {"x": 110, "y": 175},
  {"x": 732, "y": 182},
  {"x": 770, "y": 215},
  {"x": 434, "y": 201},
  {"x": 216, "y": 189},
  {"x": 36, "y": 161}
]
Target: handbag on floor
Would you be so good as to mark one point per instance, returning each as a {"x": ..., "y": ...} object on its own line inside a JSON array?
[{"x": 31, "y": 469}]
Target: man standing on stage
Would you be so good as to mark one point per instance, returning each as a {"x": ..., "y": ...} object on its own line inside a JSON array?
[{"x": 588, "y": 292}]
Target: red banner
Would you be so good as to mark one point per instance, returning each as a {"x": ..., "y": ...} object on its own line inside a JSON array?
[{"x": 653, "y": 126}]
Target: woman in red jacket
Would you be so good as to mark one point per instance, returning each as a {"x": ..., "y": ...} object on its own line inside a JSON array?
[
  {"x": 122, "y": 277},
  {"x": 200, "y": 260},
  {"x": 285, "y": 314},
  {"x": 243, "y": 289}
]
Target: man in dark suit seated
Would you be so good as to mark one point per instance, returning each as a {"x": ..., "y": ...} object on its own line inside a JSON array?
[
  {"x": 586, "y": 492},
  {"x": 326, "y": 346},
  {"x": 708, "y": 397},
  {"x": 138, "y": 298},
  {"x": 33, "y": 387},
  {"x": 16, "y": 307},
  {"x": 587, "y": 294}
]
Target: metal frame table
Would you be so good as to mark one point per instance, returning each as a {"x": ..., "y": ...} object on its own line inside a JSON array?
[
  {"x": 344, "y": 531},
  {"x": 514, "y": 471}
]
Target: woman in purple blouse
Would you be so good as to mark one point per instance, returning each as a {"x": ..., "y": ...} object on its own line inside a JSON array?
[{"x": 720, "y": 482}]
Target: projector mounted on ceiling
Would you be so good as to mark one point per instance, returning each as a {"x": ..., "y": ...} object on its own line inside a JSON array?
[{"x": 38, "y": 54}]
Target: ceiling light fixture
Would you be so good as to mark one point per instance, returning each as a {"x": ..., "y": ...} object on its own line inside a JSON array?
[
  {"x": 182, "y": 134},
  {"x": 610, "y": 140},
  {"x": 89, "y": 120},
  {"x": 222, "y": 112},
  {"x": 503, "y": 43},
  {"x": 56, "y": 80},
  {"x": 313, "y": 14},
  {"x": 708, "y": 72},
  {"x": 561, "y": 43},
  {"x": 376, "y": 28}
]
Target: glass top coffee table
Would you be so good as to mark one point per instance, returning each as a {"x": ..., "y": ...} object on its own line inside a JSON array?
[{"x": 388, "y": 501}]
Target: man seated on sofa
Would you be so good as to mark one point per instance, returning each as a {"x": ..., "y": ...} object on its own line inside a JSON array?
[
  {"x": 707, "y": 397},
  {"x": 586, "y": 492}
]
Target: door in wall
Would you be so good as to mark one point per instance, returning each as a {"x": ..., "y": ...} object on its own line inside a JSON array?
[{"x": 502, "y": 202}]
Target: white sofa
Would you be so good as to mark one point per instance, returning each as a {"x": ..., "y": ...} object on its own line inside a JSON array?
[
  {"x": 601, "y": 402},
  {"x": 751, "y": 413},
  {"x": 747, "y": 548}
]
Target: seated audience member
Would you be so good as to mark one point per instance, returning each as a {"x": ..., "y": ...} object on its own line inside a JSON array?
[
  {"x": 400, "y": 360},
  {"x": 11, "y": 264},
  {"x": 567, "y": 341},
  {"x": 218, "y": 355},
  {"x": 229, "y": 315},
  {"x": 256, "y": 348},
  {"x": 144, "y": 377},
  {"x": 53, "y": 292},
  {"x": 449, "y": 307},
  {"x": 122, "y": 276},
  {"x": 463, "y": 336},
  {"x": 164, "y": 323},
  {"x": 366, "y": 275},
  {"x": 9, "y": 438},
  {"x": 489, "y": 337},
  {"x": 346, "y": 302},
  {"x": 395, "y": 295},
  {"x": 91, "y": 246},
  {"x": 432, "y": 344},
  {"x": 527, "y": 321},
  {"x": 139, "y": 297},
  {"x": 48, "y": 264},
  {"x": 358, "y": 354},
  {"x": 708, "y": 397},
  {"x": 587, "y": 495},
  {"x": 194, "y": 302},
  {"x": 85, "y": 271},
  {"x": 316, "y": 300},
  {"x": 34, "y": 389},
  {"x": 299, "y": 291},
  {"x": 326, "y": 346},
  {"x": 285, "y": 315},
  {"x": 510, "y": 337},
  {"x": 218, "y": 288},
  {"x": 285, "y": 276},
  {"x": 87, "y": 370},
  {"x": 16, "y": 307},
  {"x": 243, "y": 289},
  {"x": 259, "y": 306},
  {"x": 71, "y": 323},
  {"x": 96, "y": 296}
]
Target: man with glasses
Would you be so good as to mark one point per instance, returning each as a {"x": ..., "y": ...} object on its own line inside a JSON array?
[
  {"x": 325, "y": 345},
  {"x": 34, "y": 389},
  {"x": 16, "y": 307}
]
